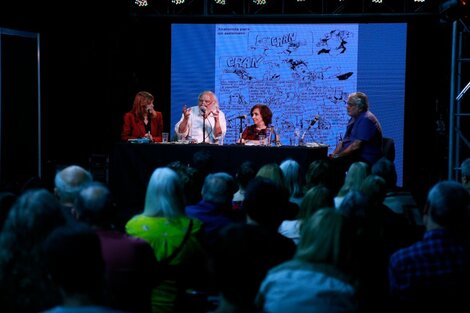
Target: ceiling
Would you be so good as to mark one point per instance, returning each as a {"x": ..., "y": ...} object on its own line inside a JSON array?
[{"x": 294, "y": 8}]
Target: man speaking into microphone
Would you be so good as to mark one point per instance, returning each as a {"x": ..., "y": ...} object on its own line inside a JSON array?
[
  {"x": 262, "y": 117},
  {"x": 204, "y": 123}
]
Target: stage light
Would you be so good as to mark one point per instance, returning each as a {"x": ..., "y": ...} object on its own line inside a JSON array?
[
  {"x": 222, "y": 2},
  {"x": 376, "y": 1},
  {"x": 259, "y": 2},
  {"x": 141, "y": 3},
  {"x": 177, "y": 1}
]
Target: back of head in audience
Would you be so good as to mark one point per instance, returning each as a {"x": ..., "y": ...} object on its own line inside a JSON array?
[
  {"x": 327, "y": 238},
  {"x": 316, "y": 198},
  {"x": 447, "y": 206},
  {"x": 242, "y": 256},
  {"x": 264, "y": 203},
  {"x": 356, "y": 174},
  {"x": 75, "y": 263},
  {"x": 69, "y": 181},
  {"x": 218, "y": 189},
  {"x": 191, "y": 182},
  {"x": 293, "y": 177},
  {"x": 165, "y": 194},
  {"x": 320, "y": 172},
  {"x": 24, "y": 282},
  {"x": 273, "y": 172},
  {"x": 94, "y": 205},
  {"x": 245, "y": 173},
  {"x": 354, "y": 206},
  {"x": 386, "y": 169},
  {"x": 34, "y": 214},
  {"x": 374, "y": 187}
]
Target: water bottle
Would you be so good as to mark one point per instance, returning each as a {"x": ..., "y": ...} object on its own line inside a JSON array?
[
  {"x": 275, "y": 138},
  {"x": 296, "y": 136},
  {"x": 268, "y": 136}
]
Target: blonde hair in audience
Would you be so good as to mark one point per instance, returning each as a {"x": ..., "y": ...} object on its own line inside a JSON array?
[
  {"x": 316, "y": 198},
  {"x": 357, "y": 173},
  {"x": 326, "y": 238},
  {"x": 273, "y": 172}
]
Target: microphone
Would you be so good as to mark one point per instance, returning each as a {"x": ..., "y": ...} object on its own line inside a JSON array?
[
  {"x": 241, "y": 117},
  {"x": 203, "y": 113},
  {"x": 312, "y": 122}
]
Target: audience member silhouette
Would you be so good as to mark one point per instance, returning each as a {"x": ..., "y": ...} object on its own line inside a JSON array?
[
  {"x": 320, "y": 172},
  {"x": 433, "y": 274},
  {"x": 316, "y": 198},
  {"x": 67, "y": 184},
  {"x": 356, "y": 174},
  {"x": 191, "y": 179},
  {"x": 174, "y": 237},
  {"x": 242, "y": 256},
  {"x": 378, "y": 236},
  {"x": 264, "y": 204},
  {"x": 24, "y": 283},
  {"x": 273, "y": 172},
  {"x": 398, "y": 200},
  {"x": 214, "y": 208},
  {"x": 318, "y": 278},
  {"x": 245, "y": 173},
  {"x": 130, "y": 261},
  {"x": 293, "y": 180},
  {"x": 75, "y": 264}
]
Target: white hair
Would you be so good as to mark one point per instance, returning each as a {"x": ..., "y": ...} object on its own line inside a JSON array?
[{"x": 165, "y": 195}]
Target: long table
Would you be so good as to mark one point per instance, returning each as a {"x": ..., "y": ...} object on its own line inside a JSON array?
[{"x": 132, "y": 164}]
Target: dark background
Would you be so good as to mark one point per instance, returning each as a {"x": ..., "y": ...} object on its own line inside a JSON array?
[{"x": 95, "y": 55}]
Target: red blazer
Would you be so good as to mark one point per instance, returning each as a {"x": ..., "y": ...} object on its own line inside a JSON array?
[{"x": 134, "y": 128}]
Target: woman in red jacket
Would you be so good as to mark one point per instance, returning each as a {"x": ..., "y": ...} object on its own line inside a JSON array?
[{"x": 142, "y": 121}]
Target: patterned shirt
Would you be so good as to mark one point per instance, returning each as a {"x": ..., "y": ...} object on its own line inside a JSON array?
[{"x": 437, "y": 266}]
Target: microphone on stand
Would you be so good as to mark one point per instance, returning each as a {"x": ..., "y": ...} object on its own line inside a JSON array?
[
  {"x": 241, "y": 117},
  {"x": 312, "y": 122},
  {"x": 203, "y": 110}
]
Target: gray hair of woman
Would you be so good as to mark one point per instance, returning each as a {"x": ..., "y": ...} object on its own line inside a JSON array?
[{"x": 165, "y": 194}]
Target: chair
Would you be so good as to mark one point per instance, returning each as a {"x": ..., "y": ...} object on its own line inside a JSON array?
[{"x": 388, "y": 148}]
